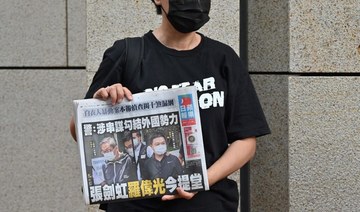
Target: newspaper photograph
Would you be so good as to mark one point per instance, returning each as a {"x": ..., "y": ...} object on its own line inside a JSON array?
[{"x": 142, "y": 148}]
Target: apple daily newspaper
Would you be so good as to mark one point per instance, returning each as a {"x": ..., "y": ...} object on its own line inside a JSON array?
[{"x": 142, "y": 148}]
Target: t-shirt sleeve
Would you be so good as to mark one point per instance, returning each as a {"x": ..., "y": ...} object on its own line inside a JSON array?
[
  {"x": 244, "y": 116},
  {"x": 110, "y": 69}
]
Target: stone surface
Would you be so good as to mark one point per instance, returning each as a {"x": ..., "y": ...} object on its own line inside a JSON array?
[
  {"x": 110, "y": 20},
  {"x": 33, "y": 33},
  {"x": 304, "y": 37},
  {"x": 270, "y": 166},
  {"x": 40, "y": 164},
  {"x": 310, "y": 162},
  {"x": 324, "y": 36},
  {"x": 324, "y": 148},
  {"x": 224, "y": 24},
  {"x": 268, "y": 35},
  {"x": 76, "y": 16}
]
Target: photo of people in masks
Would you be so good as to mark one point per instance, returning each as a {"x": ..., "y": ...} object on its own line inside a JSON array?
[{"x": 137, "y": 155}]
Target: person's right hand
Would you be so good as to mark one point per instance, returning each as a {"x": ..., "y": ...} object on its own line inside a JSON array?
[{"x": 115, "y": 92}]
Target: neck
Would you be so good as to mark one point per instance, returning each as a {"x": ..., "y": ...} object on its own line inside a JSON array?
[
  {"x": 158, "y": 157},
  {"x": 171, "y": 38}
]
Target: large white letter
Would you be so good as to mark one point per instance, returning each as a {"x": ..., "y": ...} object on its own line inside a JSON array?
[
  {"x": 218, "y": 99},
  {"x": 198, "y": 86},
  {"x": 205, "y": 101},
  {"x": 209, "y": 83}
]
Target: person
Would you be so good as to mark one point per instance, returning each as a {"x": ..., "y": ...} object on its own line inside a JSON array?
[
  {"x": 137, "y": 136},
  {"x": 118, "y": 167},
  {"x": 136, "y": 149},
  {"x": 176, "y": 55},
  {"x": 161, "y": 164}
]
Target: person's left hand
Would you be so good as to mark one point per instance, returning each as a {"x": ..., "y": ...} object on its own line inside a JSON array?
[{"x": 181, "y": 194}]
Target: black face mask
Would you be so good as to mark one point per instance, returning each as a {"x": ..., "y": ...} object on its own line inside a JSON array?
[{"x": 188, "y": 15}]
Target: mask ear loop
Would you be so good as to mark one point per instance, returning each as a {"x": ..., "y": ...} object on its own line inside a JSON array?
[{"x": 163, "y": 10}]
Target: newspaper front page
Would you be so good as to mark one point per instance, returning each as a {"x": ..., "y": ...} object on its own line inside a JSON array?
[{"x": 142, "y": 148}]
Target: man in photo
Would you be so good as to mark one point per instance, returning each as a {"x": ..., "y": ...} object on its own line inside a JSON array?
[
  {"x": 161, "y": 164},
  {"x": 118, "y": 167},
  {"x": 135, "y": 147}
]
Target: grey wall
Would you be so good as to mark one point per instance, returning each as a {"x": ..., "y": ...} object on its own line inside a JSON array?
[
  {"x": 305, "y": 63},
  {"x": 307, "y": 59},
  {"x": 42, "y": 69}
]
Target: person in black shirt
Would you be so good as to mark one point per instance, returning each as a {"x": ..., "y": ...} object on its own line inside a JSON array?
[
  {"x": 161, "y": 164},
  {"x": 176, "y": 55}
]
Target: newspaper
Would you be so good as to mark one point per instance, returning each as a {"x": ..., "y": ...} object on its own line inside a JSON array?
[{"x": 142, "y": 148}]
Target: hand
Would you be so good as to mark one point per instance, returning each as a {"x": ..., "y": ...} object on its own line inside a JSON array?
[
  {"x": 181, "y": 194},
  {"x": 115, "y": 92}
]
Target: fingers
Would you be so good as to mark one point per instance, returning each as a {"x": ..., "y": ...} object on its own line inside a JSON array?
[
  {"x": 115, "y": 92},
  {"x": 181, "y": 194},
  {"x": 169, "y": 197},
  {"x": 127, "y": 93},
  {"x": 72, "y": 128},
  {"x": 185, "y": 194},
  {"x": 101, "y": 94}
]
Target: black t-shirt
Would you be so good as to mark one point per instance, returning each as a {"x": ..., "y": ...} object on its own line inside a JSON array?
[{"x": 229, "y": 107}]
